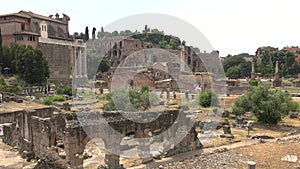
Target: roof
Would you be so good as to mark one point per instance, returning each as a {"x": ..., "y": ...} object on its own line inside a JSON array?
[
  {"x": 31, "y": 14},
  {"x": 16, "y": 14}
]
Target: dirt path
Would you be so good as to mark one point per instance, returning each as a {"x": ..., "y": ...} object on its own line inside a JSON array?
[
  {"x": 10, "y": 159},
  {"x": 195, "y": 153}
]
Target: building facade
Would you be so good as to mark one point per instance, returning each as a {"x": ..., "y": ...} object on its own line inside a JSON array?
[{"x": 66, "y": 57}]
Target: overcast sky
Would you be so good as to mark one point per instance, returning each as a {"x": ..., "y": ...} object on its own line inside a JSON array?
[{"x": 231, "y": 26}]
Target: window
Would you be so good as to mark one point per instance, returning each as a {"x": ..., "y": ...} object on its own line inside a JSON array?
[
  {"x": 189, "y": 60},
  {"x": 121, "y": 45},
  {"x": 31, "y": 38},
  {"x": 19, "y": 37},
  {"x": 22, "y": 26}
]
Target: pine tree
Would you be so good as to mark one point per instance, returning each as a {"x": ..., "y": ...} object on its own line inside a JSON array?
[{"x": 87, "y": 36}]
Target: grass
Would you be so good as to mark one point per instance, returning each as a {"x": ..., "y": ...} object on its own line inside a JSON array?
[
  {"x": 50, "y": 100},
  {"x": 292, "y": 89}
]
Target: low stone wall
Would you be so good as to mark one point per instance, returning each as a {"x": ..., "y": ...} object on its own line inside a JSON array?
[
  {"x": 10, "y": 117},
  {"x": 237, "y": 90}
]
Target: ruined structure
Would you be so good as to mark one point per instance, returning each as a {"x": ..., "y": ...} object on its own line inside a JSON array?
[
  {"x": 260, "y": 50},
  {"x": 60, "y": 137},
  {"x": 277, "y": 82},
  {"x": 134, "y": 62},
  {"x": 253, "y": 76},
  {"x": 66, "y": 57},
  {"x": 295, "y": 50}
]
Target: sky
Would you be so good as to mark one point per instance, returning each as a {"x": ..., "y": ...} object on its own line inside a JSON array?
[{"x": 231, "y": 26}]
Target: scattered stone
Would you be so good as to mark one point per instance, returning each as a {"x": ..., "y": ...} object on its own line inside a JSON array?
[
  {"x": 226, "y": 129},
  {"x": 262, "y": 137},
  {"x": 290, "y": 158},
  {"x": 229, "y": 136},
  {"x": 251, "y": 164}
]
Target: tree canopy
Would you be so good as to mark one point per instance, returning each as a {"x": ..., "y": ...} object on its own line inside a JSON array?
[
  {"x": 287, "y": 65},
  {"x": 28, "y": 63},
  {"x": 208, "y": 98},
  {"x": 236, "y": 67},
  {"x": 268, "y": 105}
]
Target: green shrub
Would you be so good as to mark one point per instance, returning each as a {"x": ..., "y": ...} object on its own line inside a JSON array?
[
  {"x": 64, "y": 90},
  {"x": 208, "y": 98},
  {"x": 254, "y": 82},
  {"x": 48, "y": 101},
  {"x": 269, "y": 106},
  {"x": 138, "y": 99},
  {"x": 58, "y": 98},
  {"x": 52, "y": 99}
]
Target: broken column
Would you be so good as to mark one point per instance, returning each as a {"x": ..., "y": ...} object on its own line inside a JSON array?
[
  {"x": 143, "y": 148},
  {"x": 253, "y": 71},
  {"x": 277, "y": 82}
]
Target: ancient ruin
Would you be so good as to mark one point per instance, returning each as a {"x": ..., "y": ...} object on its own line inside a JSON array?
[{"x": 58, "y": 137}]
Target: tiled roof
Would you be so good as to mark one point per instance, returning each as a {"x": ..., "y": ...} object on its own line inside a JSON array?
[{"x": 31, "y": 14}]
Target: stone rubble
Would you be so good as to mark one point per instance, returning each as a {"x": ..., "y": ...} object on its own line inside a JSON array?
[{"x": 218, "y": 160}]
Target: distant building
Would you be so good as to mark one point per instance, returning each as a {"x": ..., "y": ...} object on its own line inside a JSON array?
[
  {"x": 295, "y": 51},
  {"x": 66, "y": 56},
  {"x": 119, "y": 49},
  {"x": 260, "y": 50}
]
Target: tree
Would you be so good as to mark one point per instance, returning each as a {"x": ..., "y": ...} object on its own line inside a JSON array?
[
  {"x": 233, "y": 72},
  {"x": 94, "y": 33},
  {"x": 104, "y": 65},
  {"x": 288, "y": 66},
  {"x": 231, "y": 61},
  {"x": 236, "y": 67},
  {"x": 30, "y": 64},
  {"x": 208, "y": 98},
  {"x": 138, "y": 99},
  {"x": 76, "y": 35},
  {"x": 269, "y": 106},
  {"x": 156, "y": 31},
  {"x": 87, "y": 36},
  {"x": 115, "y": 33}
]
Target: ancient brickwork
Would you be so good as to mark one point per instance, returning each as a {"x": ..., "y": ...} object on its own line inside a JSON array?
[{"x": 46, "y": 131}]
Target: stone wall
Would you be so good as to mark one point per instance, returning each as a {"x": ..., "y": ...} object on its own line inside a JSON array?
[
  {"x": 41, "y": 131},
  {"x": 233, "y": 90},
  {"x": 66, "y": 59},
  {"x": 38, "y": 135},
  {"x": 10, "y": 117}
]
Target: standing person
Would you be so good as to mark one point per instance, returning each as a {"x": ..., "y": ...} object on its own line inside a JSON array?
[
  {"x": 1, "y": 98},
  {"x": 174, "y": 95}
]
